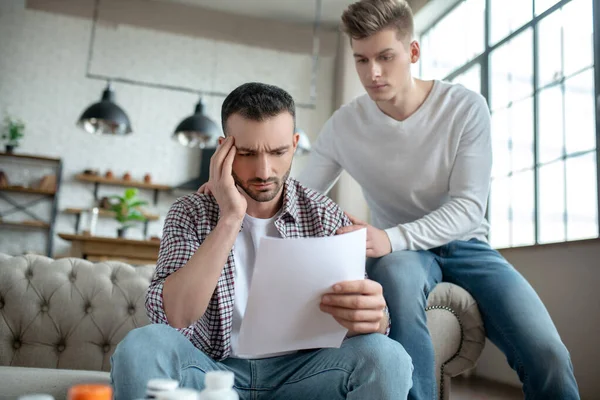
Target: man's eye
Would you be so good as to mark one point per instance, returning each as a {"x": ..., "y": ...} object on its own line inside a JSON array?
[{"x": 243, "y": 154}]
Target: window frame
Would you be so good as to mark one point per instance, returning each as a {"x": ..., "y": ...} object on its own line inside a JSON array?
[{"x": 483, "y": 60}]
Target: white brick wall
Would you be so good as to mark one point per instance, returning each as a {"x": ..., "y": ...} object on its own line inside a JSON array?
[{"x": 42, "y": 80}]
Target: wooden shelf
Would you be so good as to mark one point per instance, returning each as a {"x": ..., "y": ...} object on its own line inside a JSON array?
[
  {"x": 30, "y": 157},
  {"x": 121, "y": 182},
  {"x": 21, "y": 189},
  {"x": 26, "y": 224},
  {"x": 106, "y": 213},
  {"x": 109, "y": 240},
  {"x": 98, "y": 248}
]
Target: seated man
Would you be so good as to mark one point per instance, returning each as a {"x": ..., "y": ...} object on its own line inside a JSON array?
[{"x": 198, "y": 295}]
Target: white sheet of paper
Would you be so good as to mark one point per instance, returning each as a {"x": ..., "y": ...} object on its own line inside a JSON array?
[{"x": 290, "y": 277}]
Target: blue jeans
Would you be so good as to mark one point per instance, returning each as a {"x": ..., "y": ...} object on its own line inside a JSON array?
[
  {"x": 514, "y": 317},
  {"x": 365, "y": 367}
]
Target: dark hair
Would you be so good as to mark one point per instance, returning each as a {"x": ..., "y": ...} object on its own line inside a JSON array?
[
  {"x": 258, "y": 102},
  {"x": 368, "y": 17}
]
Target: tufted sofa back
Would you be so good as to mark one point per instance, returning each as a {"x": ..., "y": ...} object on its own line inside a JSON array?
[{"x": 68, "y": 313}]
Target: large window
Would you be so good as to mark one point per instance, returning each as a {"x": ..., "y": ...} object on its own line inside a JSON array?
[{"x": 534, "y": 61}]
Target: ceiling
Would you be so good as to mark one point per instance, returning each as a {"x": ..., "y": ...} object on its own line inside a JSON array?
[{"x": 295, "y": 11}]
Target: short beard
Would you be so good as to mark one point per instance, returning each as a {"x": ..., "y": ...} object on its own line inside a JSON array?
[{"x": 262, "y": 196}]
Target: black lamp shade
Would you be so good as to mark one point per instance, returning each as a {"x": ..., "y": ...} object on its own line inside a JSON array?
[
  {"x": 105, "y": 117},
  {"x": 197, "y": 130}
]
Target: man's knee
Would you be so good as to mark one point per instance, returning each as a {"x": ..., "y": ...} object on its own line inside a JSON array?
[
  {"x": 381, "y": 353},
  {"x": 138, "y": 342},
  {"x": 404, "y": 270}
]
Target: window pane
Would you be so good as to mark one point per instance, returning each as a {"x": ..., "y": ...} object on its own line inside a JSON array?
[
  {"x": 500, "y": 213},
  {"x": 521, "y": 124},
  {"x": 510, "y": 80},
  {"x": 523, "y": 215},
  {"x": 442, "y": 55},
  {"x": 500, "y": 143},
  {"x": 508, "y": 16},
  {"x": 447, "y": 48},
  {"x": 582, "y": 200},
  {"x": 426, "y": 58},
  {"x": 543, "y": 5},
  {"x": 471, "y": 79},
  {"x": 551, "y": 203},
  {"x": 474, "y": 31},
  {"x": 550, "y": 44},
  {"x": 578, "y": 41},
  {"x": 550, "y": 122},
  {"x": 580, "y": 115}
]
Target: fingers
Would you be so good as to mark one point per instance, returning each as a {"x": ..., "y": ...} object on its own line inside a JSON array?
[
  {"x": 228, "y": 162},
  {"x": 362, "y": 286},
  {"x": 354, "y": 220},
  {"x": 348, "y": 229},
  {"x": 216, "y": 160},
  {"x": 353, "y": 316},
  {"x": 358, "y": 327},
  {"x": 204, "y": 189},
  {"x": 354, "y": 302}
]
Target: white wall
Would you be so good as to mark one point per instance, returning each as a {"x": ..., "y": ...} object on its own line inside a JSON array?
[
  {"x": 347, "y": 192},
  {"x": 42, "y": 81},
  {"x": 567, "y": 278}
]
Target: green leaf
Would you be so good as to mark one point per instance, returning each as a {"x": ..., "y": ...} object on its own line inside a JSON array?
[
  {"x": 130, "y": 193},
  {"x": 137, "y": 217},
  {"x": 138, "y": 203}
]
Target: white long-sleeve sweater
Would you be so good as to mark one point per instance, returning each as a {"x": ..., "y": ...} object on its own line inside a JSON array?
[{"x": 426, "y": 179}]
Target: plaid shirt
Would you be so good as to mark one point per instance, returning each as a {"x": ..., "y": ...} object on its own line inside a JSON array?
[{"x": 305, "y": 213}]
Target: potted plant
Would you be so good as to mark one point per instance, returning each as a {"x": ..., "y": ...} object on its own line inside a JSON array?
[
  {"x": 12, "y": 133},
  {"x": 126, "y": 209}
]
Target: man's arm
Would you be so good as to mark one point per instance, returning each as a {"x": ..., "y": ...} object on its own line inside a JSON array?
[
  {"x": 187, "y": 271},
  {"x": 322, "y": 170},
  {"x": 186, "y": 292},
  {"x": 468, "y": 189}
]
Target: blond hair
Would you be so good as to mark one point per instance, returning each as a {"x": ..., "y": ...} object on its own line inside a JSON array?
[{"x": 367, "y": 17}]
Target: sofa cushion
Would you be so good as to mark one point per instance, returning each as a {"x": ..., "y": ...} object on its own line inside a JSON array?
[{"x": 68, "y": 313}]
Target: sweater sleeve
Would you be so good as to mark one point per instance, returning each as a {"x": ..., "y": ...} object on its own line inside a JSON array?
[
  {"x": 322, "y": 170},
  {"x": 469, "y": 187}
]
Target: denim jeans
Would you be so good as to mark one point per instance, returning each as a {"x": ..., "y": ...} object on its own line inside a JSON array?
[
  {"x": 365, "y": 367},
  {"x": 514, "y": 317}
]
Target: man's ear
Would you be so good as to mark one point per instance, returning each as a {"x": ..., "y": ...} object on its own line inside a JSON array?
[
  {"x": 295, "y": 140},
  {"x": 415, "y": 51}
]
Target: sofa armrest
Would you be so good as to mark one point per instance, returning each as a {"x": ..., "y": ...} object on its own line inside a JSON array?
[{"x": 457, "y": 332}]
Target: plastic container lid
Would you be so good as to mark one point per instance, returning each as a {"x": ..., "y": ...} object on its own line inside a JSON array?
[
  {"x": 178, "y": 394},
  {"x": 90, "y": 392},
  {"x": 36, "y": 397},
  {"x": 219, "y": 380},
  {"x": 156, "y": 385}
]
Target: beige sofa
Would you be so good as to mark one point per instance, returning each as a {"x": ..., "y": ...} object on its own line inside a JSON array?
[{"x": 60, "y": 321}]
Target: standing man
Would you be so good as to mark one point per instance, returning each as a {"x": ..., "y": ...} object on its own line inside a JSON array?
[{"x": 421, "y": 151}]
